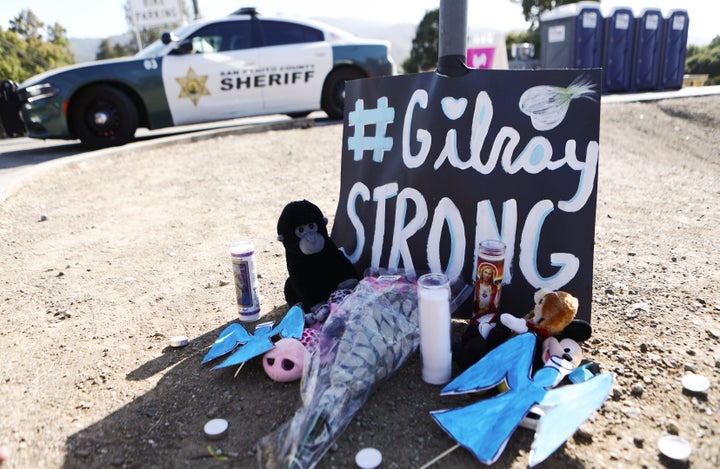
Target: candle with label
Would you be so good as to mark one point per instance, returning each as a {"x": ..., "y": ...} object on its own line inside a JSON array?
[
  {"x": 489, "y": 273},
  {"x": 242, "y": 253}
]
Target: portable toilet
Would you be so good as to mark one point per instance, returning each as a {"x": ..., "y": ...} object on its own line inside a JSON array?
[
  {"x": 618, "y": 49},
  {"x": 674, "y": 49},
  {"x": 647, "y": 50},
  {"x": 571, "y": 36}
]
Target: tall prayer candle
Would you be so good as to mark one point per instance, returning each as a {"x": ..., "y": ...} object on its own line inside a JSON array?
[
  {"x": 242, "y": 253},
  {"x": 435, "y": 349}
]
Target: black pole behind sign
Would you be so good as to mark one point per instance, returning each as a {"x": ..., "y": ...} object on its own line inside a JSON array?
[{"x": 453, "y": 36}]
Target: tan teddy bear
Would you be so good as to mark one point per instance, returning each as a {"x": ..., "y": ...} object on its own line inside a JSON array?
[{"x": 553, "y": 311}]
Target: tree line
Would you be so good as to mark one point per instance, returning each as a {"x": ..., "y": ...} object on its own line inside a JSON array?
[
  {"x": 705, "y": 60},
  {"x": 29, "y": 46}
]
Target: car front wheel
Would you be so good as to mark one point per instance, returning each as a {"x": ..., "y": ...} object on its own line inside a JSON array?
[
  {"x": 103, "y": 116},
  {"x": 333, "y": 96}
]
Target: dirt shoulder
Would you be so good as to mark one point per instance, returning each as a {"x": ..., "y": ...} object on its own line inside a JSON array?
[{"x": 105, "y": 259}]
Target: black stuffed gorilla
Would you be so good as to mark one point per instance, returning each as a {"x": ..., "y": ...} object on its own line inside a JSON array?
[{"x": 316, "y": 267}]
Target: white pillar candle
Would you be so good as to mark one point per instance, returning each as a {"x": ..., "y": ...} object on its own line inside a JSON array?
[{"x": 435, "y": 349}]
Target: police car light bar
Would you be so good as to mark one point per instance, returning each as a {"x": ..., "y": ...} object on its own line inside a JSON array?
[{"x": 252, "y": 11}]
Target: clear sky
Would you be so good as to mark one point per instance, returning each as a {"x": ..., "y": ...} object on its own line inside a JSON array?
[{"x": 103, "y": 18}]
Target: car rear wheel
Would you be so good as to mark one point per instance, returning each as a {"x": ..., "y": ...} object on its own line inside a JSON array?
[
  {"x": 333, "y": 96},
  {"x": 103, "y": 116}
]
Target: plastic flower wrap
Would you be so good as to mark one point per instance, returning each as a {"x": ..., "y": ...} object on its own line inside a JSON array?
[{"x": 364, "y": 341}]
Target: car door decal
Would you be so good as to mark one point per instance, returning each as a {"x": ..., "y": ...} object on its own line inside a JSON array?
[{"x": 192, "y": 86}]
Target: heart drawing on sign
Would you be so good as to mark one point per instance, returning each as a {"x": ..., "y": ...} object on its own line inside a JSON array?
[{"x": 453, "y": 108}]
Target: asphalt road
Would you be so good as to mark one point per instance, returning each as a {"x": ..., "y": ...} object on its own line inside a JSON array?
[{"x": 21, "y": 158}]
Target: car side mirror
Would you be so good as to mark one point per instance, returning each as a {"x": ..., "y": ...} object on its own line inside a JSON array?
[{"x": 185, "y": 47}]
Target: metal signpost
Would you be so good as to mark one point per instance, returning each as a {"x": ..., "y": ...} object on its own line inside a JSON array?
[
  {"x": 153, "y": 13},
  {"x": 452, "y": 41}
]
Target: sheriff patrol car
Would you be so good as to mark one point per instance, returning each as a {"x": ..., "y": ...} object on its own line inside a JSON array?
[{"x": 237, "y": 66}]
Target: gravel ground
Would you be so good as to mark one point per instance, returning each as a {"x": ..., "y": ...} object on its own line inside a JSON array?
[{"x": 105, "y": 259}]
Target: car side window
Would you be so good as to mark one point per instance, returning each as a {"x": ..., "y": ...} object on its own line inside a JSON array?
[
  {"x": 277, "y": 33},
  {"x": 222, "y": 37}
]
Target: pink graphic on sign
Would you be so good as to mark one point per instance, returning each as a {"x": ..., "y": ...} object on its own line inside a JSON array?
[{"x": 480, "y": 57}]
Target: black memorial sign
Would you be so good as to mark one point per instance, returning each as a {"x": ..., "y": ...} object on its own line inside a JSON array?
[{"x": 432, "y": 165}]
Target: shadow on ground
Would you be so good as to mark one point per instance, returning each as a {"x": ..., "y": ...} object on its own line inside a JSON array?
[{"x": 164, "y": 427}]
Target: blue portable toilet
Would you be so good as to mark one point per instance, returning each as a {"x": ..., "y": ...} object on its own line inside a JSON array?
[
  {"x": 571, "y": 36},
  {"x": 618, "y": 49},
  {"x": 647, "y": 50},
  {"x": 674, "y": 49}
]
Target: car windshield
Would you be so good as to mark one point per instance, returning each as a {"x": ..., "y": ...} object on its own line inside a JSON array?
[{"x": 154, "y": 49}]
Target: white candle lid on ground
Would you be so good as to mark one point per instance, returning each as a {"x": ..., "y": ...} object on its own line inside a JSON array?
[
  {"x": 695, "y": 383},
  {"x": 674, "y": 447},
  {"x": 216, "y": 428},
  {"x": 368, "y": 458},
  {"x": 178, "y": 341}
]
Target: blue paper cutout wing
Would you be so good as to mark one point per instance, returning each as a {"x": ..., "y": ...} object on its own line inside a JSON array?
[
  {"x": 290, "y": 326},
  {"x": 493, "y": 368},
  {"x": 484, "y": 427},
  {"x": 566, "y": 408},
  {"x": 229, "y": 338}
]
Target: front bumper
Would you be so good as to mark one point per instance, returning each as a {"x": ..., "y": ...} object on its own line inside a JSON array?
[{"x": 10, "y": 117}]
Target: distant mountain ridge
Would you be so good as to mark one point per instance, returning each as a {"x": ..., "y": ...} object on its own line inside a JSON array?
[{"x": 85, "y": 49}]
